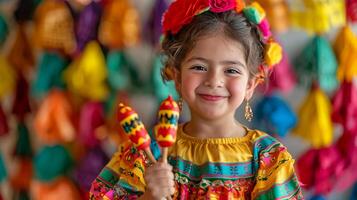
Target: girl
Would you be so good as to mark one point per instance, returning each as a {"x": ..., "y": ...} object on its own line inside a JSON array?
[{"x": 217, "y": 51}]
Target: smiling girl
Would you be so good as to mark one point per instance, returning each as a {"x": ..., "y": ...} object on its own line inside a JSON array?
[{"x": 217, "y": 52}]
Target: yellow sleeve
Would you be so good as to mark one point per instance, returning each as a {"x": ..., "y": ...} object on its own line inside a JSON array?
[
  {"x": 275, "y": 178},
  {"x": 131, "y": 169},
  {"x": 124, "y": 174}
]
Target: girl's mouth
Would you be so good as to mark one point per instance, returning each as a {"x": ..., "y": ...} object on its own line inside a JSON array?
[{"x": 209, "y": 97}]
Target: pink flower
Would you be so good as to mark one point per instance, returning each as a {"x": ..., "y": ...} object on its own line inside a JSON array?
[{"x": 219, "y": 6}]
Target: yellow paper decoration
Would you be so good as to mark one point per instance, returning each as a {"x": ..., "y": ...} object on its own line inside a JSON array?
[
  {"x": 346, "y": 51},
  {"x": 316, "y": 16},
  {"x": 54, "y": 27},
  {"x": 314, "y": 123},
  {"x": 7, "y": 77},
  {"x": 119, "y": 27},
  {"x": 87, "y": 75}
]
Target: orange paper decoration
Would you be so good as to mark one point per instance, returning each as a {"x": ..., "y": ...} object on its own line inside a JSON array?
[
  {"x": 21, "y": 55},
  {"x": 54, "y": 27},
  {"x": 277, "y": 14},
  {"x": 119, "y": 27},
  {"x": 61, "y": 188},
  {"x": 53, "y": 122}
]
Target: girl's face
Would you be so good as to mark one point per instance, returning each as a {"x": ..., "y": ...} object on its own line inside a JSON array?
[{"x": 214, "y": 79}]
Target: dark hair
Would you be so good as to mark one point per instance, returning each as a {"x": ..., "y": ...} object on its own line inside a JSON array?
[{"x": 235, "y": 26}]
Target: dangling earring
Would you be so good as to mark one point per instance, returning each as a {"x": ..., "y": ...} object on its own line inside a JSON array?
[
  {"x": 180, "y": 103},
  {"x": 248, "y": 114}
]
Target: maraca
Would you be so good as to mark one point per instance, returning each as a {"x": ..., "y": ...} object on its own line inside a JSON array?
[
  {"x": 134, "y": 128},
  {"x": 165, "y": 130}
]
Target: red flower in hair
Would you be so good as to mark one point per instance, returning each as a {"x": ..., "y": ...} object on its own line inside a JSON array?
[
  {"x": 181, "y": 12},
  {"x": 218, "y": 6}
]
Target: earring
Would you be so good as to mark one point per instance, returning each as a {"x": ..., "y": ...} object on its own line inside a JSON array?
[
  {"x": 180, "y": 103},
  {"x": 248, "y": 114}
]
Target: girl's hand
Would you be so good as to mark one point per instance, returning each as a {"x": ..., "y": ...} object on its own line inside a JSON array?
[{"x": 159, "y": 181}]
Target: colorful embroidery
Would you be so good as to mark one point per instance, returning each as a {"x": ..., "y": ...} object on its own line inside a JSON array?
[{"x": 261, "y": 168}]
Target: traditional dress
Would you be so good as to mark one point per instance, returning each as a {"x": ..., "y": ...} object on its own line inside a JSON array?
[{"x": 255, "y": 166}]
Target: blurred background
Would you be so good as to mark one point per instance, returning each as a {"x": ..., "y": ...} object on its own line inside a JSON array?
[{"x": 65, "y": 65}]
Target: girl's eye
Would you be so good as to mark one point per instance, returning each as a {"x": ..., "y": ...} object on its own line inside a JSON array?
[
  {"x": 198, "y": 68},
  {"x": 233, "y": 71}
]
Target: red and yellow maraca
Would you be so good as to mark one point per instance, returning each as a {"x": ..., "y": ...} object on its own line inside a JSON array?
[
  {"x": 134, "y": 128},
  {"x": 165, "y": 130}
]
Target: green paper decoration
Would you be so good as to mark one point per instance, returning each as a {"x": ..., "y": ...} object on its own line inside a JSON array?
[
  {"x": 49, "y": 72},
  {"x": 4, "y": 30},
  {"x": 122, "y": 73},
  {"x": 162, "y": 89},
  {"x": 109, "y": 103},
  {"x": 51, "y": 162},
  {"x": 23, "y": 146},
  {"x": 37, "y": 2},
  {"x": 3, "y": 172},
  {"x": 317, "y": 61},
  {"x": 23, "y": 195}
]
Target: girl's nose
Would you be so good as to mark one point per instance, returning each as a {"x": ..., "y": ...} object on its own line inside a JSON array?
[{"x": 214, "y": 79}]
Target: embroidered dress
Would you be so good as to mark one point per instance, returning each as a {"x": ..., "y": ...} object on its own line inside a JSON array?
[{"x": 255, "y": 166}]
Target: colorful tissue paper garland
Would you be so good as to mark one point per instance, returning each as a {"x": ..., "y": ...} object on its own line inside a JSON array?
[
  {"x": 317, "y": 17},
  {"x": 54, "y": 120},
  {"x": 351, "y": 9},
  {"x": 91, "y": 118},
  {"x": 87, "y": 24},
  {"x": 277, "y": 14},
  {"x": 4, "y": 29},
  {"x": 274, "y": 115},
  {"x": 49, "y": 71},
  {"x": 54, "y": 27},
  {"x": 21, "y": 54},
  {"x": 345, "y": 47},
  {"x": 153, "y": 27},
  {"x": 88, "y": 71},
  {"x": 319, "y": 169},
  {"x": 317, "y": 62},
  {"x": 314, "y": 121},
  {"x": 119, "y": 27},
  {"x": 344, "y": 106}
]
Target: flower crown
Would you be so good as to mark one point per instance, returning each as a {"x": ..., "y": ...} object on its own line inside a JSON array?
[{"x": 181, "y": 13}]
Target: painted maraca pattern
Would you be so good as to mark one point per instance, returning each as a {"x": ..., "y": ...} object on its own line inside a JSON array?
[
  {"x": 134, "y": 128},
  {"x": 165, "y": 130}
]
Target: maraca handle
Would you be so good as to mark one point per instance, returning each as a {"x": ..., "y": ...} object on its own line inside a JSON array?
[
  {"x": 164, "y": 154},
  {"x": 150, "y": 156}
]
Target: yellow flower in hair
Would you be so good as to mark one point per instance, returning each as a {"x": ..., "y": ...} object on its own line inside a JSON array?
[
  {"x": 273, "y": 53},
  {"x": 260, "y": 10}
]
